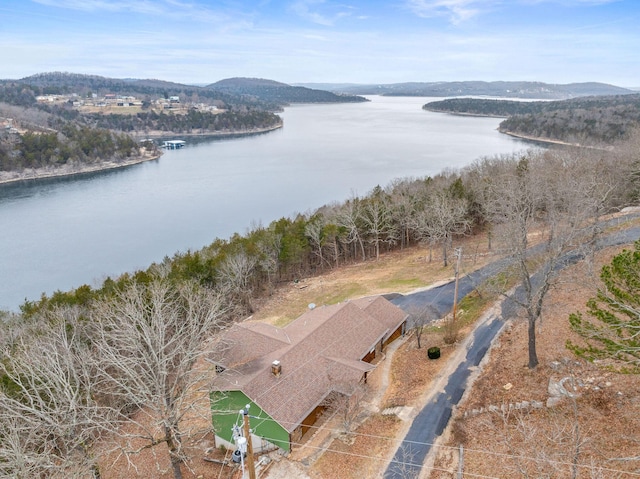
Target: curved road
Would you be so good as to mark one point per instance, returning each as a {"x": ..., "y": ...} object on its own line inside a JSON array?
[{"x": 433, "y": 418}]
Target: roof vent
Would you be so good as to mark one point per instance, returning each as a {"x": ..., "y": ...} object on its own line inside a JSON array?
[{"x": 276, "y": 368}]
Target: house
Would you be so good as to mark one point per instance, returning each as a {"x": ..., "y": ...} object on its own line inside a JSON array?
[{"x": 285, "y": 374}]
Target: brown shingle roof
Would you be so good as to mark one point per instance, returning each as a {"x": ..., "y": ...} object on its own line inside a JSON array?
[{"x": 318, "y": 351}]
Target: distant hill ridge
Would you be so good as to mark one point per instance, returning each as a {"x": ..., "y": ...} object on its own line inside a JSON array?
[
  {"x": 269, "y": 90},
  {"x": 501, "y": 89},
  {"x": 261, "y": 93},
  {"x": 239, "y": 82},
  {"x": 266, "y": 90}
]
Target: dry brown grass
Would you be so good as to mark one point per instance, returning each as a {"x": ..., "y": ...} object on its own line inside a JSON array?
[
  {"x": 399, "y": 271},
  {"x": 362, "y": 457}
]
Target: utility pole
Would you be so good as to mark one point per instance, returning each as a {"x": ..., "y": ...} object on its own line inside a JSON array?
[
  {"x": 458, "y": 253},
  {"x": 247, "y": 434}
]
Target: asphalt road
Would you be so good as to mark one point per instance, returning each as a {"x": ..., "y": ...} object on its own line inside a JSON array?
[{"x": 433, "y": 418}]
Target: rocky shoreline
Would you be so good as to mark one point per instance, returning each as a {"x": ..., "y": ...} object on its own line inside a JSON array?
[
  {"x": 550, "y": 141},
  {"x": 156, "y": 134},
  {"x": 78, "y": 169},
  {"x": 69, "y": 170}
]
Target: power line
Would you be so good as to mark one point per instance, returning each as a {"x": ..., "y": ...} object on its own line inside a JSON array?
[
  {"x": 378, "y": 458},
  {"x": 479, "y": 451}
]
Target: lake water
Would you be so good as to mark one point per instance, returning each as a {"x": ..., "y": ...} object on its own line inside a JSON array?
[{"x": 58, "y": 234}]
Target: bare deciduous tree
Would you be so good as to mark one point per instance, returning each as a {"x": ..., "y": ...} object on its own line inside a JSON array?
[
  {"x": 346, "y": 402},
  {"x": 552, "y": 198},
  {"x": 49, "y": 416},
  {"x": 419, "y": 317},
  {"x": 315, "y": 232},
  {"x": 147, "y": 341},
  {"x": 448, "y": 217},
  {"x": 443, "y": 216},
  {"x": 269, "y": 245},
  {"x": 378, "y": 220},
  {"x": 349, "y": 216},
  {"x": 557, "y": 451},
  {"x": 235, "y": 274}
]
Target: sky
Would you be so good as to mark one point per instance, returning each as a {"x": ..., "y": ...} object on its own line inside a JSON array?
[{"x": 337, "y": 41}]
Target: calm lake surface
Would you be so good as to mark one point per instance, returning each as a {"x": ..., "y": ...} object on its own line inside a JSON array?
[{"x": 58, "y": 234}]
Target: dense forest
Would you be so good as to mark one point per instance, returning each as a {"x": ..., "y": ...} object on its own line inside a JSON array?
[
  {"x": 72, "y": 143},
  {"x": 587, "y": 121},
  {"x": 194, "y": 121}
]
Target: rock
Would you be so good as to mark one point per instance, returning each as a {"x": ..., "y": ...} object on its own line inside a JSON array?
[
  {"x": 554, "y": 401},
  {"x": 507, "y": 386},
  {"x": 557, "y": 388}
]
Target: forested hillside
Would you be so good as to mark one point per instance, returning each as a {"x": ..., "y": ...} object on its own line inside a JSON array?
[
  {"x": 46, "y": 123},
  {"x": 487, "y": 107},
  {"x": 280, "y": 93},
  {"x": 37, "y": 134},
  {"x": 587, "y": 121},
  {"x": 193, "y": 122},
  {"x": 72, "y": 143},
  {"x": 61, "y": 83}
]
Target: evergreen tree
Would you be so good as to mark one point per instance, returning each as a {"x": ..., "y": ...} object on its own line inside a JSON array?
[{"x": 614, "y": 331}]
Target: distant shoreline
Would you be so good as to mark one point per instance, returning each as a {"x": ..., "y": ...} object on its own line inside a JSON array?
[
  {"x": 40, "y": 173},
  {"x": 463, "y": 113},
  {"x": 552, "y": 142},
  {"x": 29, "y": 174},
  {"x": 154, "y": 135}
]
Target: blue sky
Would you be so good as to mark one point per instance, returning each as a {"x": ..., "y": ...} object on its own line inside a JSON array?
[{"x": 356, "y": 41}]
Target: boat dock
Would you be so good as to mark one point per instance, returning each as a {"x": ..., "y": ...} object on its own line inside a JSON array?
[{"x": 173, "y": 144}]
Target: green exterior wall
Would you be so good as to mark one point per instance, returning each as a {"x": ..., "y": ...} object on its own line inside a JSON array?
[{"x": 225, "y": 408}]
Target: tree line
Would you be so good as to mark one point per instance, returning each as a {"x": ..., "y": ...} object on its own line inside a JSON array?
[
  {"x": 78, "y": 365},
  {"x": 194, "y": 121},
  {"x": 72, "y": 144},
  {"x": 593, "y": 121}
]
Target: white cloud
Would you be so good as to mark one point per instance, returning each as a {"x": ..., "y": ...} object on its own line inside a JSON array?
[
  {"x": 570, "y": 3},
  {"x": 310, "y": 10},
  {"x": 460, "y": 10},
  {"x": 137, "y": 6},
  {"x": 174, "y": 9},
  {"x": 457, "y": 10}
]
